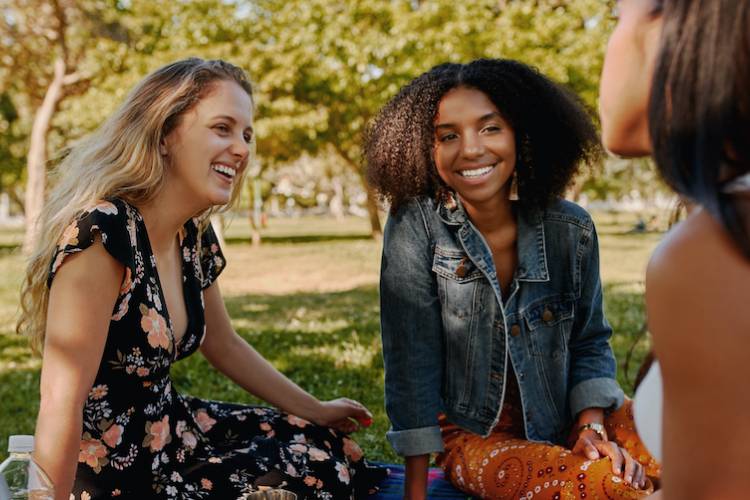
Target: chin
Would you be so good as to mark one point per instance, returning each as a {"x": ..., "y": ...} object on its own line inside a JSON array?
[
  {"x": 626, "y": 144},
  {"x": 218, "y": 199}
]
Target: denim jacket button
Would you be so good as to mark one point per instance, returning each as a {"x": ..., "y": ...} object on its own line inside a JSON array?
[
  {"x": 547, "y": 316},
  {"x": 515, "y": 330}
]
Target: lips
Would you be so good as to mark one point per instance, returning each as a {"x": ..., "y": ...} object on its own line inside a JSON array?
[
  {"x": 224, "y": 170},
  {"x": 473, "y": 173}
]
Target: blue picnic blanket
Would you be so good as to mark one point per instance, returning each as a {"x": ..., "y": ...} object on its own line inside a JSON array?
[{"x": 392, "y": 488}]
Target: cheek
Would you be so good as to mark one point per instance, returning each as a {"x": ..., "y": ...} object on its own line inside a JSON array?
[
  {"x": 443, "y": 159},
  {"x": 615, "y": 62},
  {"x": 504, "y": 148}
]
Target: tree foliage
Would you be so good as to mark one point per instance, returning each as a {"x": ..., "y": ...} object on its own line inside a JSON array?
[{"x": 322, "y": 68}]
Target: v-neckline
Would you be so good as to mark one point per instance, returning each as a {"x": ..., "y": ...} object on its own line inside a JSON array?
[{"x": 176, "y": 344}]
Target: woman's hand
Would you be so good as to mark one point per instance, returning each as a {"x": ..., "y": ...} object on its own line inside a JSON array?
[
  {"x": 345, "y": 415},
  {"x": 593, "y": 447}
]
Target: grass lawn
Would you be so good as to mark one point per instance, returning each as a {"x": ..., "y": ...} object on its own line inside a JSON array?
[{"x": 307, "y": 299}]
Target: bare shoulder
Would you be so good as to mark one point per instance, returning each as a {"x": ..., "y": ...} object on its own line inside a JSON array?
[
  {"x": 83, "y": 293},
  {"x": 698, "y": 278},
  {"x": 93, "y": 266},
  {"x": 697, "y": 289},
  {"x": 699, "y": 259}
]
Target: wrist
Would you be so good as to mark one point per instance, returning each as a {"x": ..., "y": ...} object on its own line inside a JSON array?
[
  {"x": 312, "y": 409},
  {"x": 593, "y": 427}
]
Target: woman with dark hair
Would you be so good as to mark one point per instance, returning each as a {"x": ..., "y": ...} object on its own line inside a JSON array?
[
  {"x": 676, "y": 83},
  {"x": 496, "y": 346}
]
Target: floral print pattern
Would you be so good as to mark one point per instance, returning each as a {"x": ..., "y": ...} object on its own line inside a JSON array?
[{"x": 141, "y": 437}]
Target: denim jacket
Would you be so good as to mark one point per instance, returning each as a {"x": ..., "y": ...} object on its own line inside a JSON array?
[{"x": 449, "y": 336}]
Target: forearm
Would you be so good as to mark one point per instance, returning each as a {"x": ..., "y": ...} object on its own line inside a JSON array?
[
  {"x": 415, "y": 483},
  {"x": 245, "y": 366},
  {"x": 57, "y": 444},
  {"x": 590, "y": 416}
]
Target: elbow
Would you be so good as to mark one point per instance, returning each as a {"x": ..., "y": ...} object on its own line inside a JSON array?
[
  {"x": 218, "y": 350},
  {"x": 57, "y": 404}
]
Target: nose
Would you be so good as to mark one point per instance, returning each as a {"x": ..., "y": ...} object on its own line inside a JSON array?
[
  {"x": 239, "y": 148},
  {"x": 472, "y": 146}
]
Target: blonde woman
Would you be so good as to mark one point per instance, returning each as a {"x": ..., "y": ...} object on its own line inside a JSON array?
[{"x": 123, "y": 284}]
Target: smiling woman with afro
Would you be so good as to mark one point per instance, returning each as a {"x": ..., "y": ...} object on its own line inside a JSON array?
[{"x": 495, "y": 343}]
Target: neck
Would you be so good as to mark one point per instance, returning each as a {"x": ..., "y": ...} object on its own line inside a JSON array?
[
  {"x": 491, "y": 215},
  {"x": 164, "y": 216}
]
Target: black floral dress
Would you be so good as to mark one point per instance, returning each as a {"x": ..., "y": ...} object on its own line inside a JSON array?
[{"x": 141, "y": 438}]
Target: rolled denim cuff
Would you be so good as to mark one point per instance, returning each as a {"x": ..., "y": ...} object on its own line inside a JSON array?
[
  {"x": 420, "y": 441},
  {"x": 596, "y": 393}
]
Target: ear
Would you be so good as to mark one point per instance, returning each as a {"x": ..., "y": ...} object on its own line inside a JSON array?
[{"x": 163, "y": 146}]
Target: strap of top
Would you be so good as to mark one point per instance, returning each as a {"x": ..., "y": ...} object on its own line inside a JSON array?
[{"x": 740, "y": 184}]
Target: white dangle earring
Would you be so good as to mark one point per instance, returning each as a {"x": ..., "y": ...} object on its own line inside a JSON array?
[{"x": 513, "y": 195}]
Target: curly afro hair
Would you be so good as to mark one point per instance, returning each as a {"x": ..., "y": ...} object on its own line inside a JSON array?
[{"x": 554, "y": 132}]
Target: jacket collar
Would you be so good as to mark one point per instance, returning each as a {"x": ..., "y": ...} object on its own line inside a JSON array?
[{"x": 532, "y": 252}]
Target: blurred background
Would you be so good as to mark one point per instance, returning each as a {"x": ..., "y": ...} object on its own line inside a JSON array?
[{"x": 303, "y": 244}]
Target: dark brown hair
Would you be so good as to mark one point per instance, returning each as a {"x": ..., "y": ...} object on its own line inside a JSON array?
[
  {"x": 699, "y": 114},
  {"x": 554, "y": 132}
]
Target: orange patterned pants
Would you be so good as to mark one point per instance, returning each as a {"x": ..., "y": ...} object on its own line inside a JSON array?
[{"x": 503, "y": 466}]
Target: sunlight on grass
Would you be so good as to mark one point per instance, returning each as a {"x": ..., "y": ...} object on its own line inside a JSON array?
[
  {"x": 348, "y": 354},
  {"x": 307, "y": 299}
]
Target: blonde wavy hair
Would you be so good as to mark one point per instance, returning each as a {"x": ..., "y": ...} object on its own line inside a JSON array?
[{"x": 119, "y": 160}]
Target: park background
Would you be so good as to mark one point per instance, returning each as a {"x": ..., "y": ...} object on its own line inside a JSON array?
[{"x": 303, "y": 245}]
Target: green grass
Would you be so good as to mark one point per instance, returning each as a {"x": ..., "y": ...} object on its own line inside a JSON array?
[{"x": 307, "y": 299}]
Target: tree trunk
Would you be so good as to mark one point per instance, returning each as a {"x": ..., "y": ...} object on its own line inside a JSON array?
[
  {"x": 36, "y": 162},
  {"x": 376, "y": 230},
  {"x": 256, "y": 214},
  {"x": 336, "y": 205},
  {"x": 372, "y": 208}
]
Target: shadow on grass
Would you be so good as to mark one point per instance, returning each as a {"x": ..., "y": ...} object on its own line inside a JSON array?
[
  {"x": 8, "y": 248},
  {"x": 19, "y": 394},
  {"x": 300, "y": 238},
  {"x": 328, "y": 343},
  {"x": 625, "y": 310}
]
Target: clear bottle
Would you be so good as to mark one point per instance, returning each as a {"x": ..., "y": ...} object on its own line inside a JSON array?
[{"x": 20, "y": 477}]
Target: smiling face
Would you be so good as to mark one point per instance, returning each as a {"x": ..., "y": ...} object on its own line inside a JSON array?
[
  {"x": 625, "y": 86},
  {"x": 475, "y": 147},
  {"x": 210, "y": 147}
]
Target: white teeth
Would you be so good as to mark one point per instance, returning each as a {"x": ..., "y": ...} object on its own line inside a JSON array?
[
  {"x": 224, "y": 169},
  {"x": 476, "y": 172}
]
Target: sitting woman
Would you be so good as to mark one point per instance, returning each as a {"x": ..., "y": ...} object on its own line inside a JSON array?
[
  {"x": 496, "y": 347},
  {"x": 122, "y": 285},
  {"x": 676, "y": 84}
]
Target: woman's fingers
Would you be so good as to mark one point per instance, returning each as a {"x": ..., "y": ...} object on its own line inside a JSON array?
[
  {"x": 591, "y": 452},
  {"x": 639, "y": 480},
  {"x": 359, "y": 411},
  {"x": 586, "y": 447},
  {"x": 345, "y": 415},
  {"x": 345, "y": 425},
  {"x": 630, "y": 466},
  {"x": 624, "y": 465},
  {"x": 611, "y": 450},
  {"x": 589, "y": 449}
]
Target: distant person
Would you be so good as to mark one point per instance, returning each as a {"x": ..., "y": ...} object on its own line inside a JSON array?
[
  {"x": 122, "y": 284},
  {"x": 676, "y": 84},
  {"x": 496, "y": 347}
]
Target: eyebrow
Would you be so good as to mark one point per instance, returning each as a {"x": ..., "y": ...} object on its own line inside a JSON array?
[
  {"x": 231, "y": 119},
  {"x": 483, "y": 118}
]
